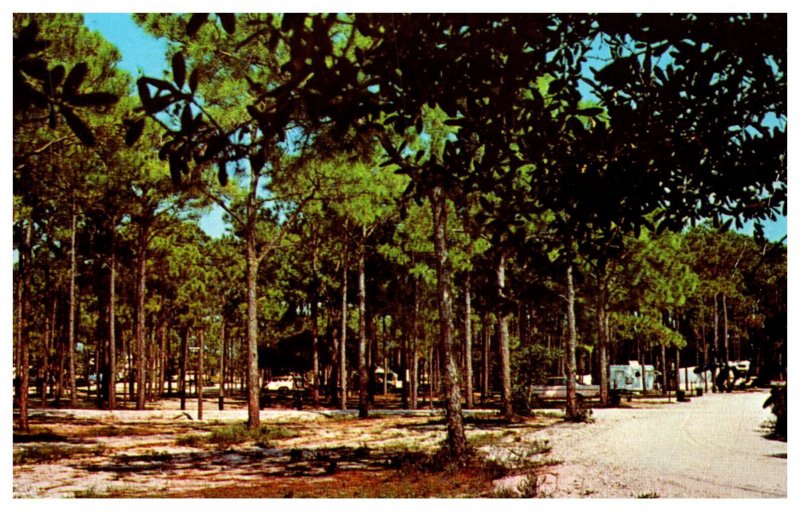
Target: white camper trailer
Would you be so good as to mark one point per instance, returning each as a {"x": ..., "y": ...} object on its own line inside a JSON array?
[{"x": 628, "y": 378}]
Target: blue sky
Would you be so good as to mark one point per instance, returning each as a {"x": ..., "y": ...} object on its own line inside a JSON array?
[{"x": 143, "y": 54}]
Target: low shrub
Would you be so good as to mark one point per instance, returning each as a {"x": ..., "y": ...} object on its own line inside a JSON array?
[{"x": 777, "y": 401}]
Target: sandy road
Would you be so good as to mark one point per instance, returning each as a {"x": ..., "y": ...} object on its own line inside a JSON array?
[{"x": 711, "y": 447}]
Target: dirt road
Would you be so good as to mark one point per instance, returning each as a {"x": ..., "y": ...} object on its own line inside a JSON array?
[{"x": 711, "y": 447}]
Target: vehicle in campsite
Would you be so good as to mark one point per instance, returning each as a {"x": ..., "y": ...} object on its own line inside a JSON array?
[
  {"x": 555, "y": 389},
  {"x": 393, "y": 381},
  {"x": 284, "y": 384},
  {"x": 627, "y": 379}
]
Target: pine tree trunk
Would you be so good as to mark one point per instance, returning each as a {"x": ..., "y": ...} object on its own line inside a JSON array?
[
  {"x": 199, "y": 374},
  {"x": 725, "y": 348},
  {"x": 49, "y": 339},
  {"x": 506, "y": 409},
  {"x": 23, "y": 374},
  {"x": 222, "y": 364},
  {"x": 315, "y": 337},
  {"x": 468, "y": 341},
  {"x": 485, "y": 385},
  {"x": 572, "y": 399},
  {"x": 61, "y": 371},
  {"x": 405, "y": 357},
  {"x": 715, "y": 342},
  {"x": 602, "y": 328},
  {"x": 253, "y": 420},
  {"x": 415, "y": 348},
  {"x": 456, "y": 443},
  {"x": 363, "y": 375},
  {"x": 182, "y": 365},
  {"x": 140, "y": 357},
  {"x": 343, "y": 342},
  {"x": 664, "y": 387},
  {"x": 73, "y": 271},
  {"x": 111, "y": 381}
]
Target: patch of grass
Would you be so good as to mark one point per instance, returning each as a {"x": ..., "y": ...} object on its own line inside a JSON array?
[
  {"x": 192, "y": 440},
  {"x": 108, "y": 431},
  {"x": 228, "y": 435},
  {"x": 50, "y": 453},
  {"x": 648, "y": 495},
  {"x": 483, "y": 439},
  {"x": 528, "y": 488},
  {"x": 110, "y": 493}
]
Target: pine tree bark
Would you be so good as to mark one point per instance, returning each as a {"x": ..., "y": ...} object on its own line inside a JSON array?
[
  {"x": 405, "y": 358},
  {"x": 315, "y": 330},
  {"x": 182, "y": 365},
  {"x": 222, "y": 364},
  {"x": 343, "y": 341},
  {"x": 48, "y": 344},
  {"x": 572, "y": 399},
  {"x": 725, "y": 347},
  {"x": 140, "y": 357},
  {"x": 363, "y": 375},
  {"x": 715, "y": 342},
  {"x": 506, "y": 408},
  {"x": 25, "y": 262},
  {"x": 602, "y": 328},
  {"x": 251, "y": 258},
  {"x": 199, "y": 375},
  {"x": 487, "y": 341},
  {"x": 468, "y": 341},
  {"x": 456, "y": 442},
  {"x": 73, "y": 271},
  {"x": 111, "y": 380},
  {"x": 415, "y": 348}
]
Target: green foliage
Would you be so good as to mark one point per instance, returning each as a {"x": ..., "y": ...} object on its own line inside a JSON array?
[
  {"x": 44, "y": 46},
  {"x": 229, "y": 435},
  {"x": 45, "y": 453}
]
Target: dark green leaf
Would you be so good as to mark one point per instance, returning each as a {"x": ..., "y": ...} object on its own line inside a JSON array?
[
  {"x": 175, "y": 167},
  {"x": 152, "y": 104},
  {"x": 222, "y": 173},
  {"x": 215, "y": 145},
  {"x": 144, "y": 92},
  {"x": 187, "y": 119},
  {"x": 55, "y": 77},
  {"x": 94, "y": 99},
  {"x": 160, "y": 85},
  {"x": 194, "y": 79},
  {"x": 51, "y": 119},
  {"x": 590, "y": 111},
  {"x": 257, "y": 160},
  {"x": 135, "y": 129},
  {"x": 179, "y": 69},
  {"x": 228, "y": 21},
  {"x": 75, "y": 79},
  {"x": 36, "y": 68},
  {"x": 195, "y": 22},
  {"x": 78, "y": 126}
]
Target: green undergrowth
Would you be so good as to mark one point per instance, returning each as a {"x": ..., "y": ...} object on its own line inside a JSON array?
[
  {"x": 54, "y": 452},
  {"x": 228, "y": 435}
]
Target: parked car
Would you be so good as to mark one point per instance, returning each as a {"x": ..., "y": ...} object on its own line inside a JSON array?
[
  {"x": 555, "y": 389},
  {"x": 285, "y": 384},
  {"x": 280, "y": 387}
]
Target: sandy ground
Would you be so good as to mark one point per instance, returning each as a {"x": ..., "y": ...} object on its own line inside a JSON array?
[{"x": 711, "y": 447}]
